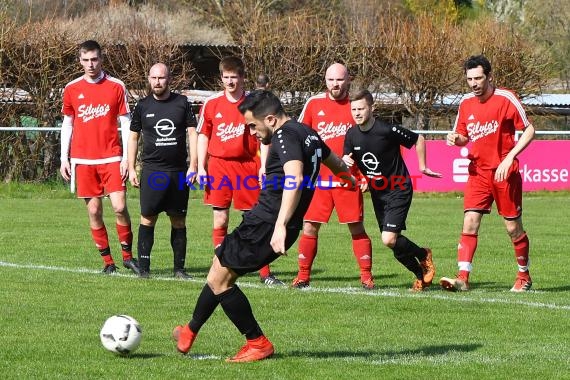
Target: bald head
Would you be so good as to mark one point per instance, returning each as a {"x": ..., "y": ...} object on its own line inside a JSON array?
[
  {"x": 337, "y": 80},
  {"x": 337, "y": 70},
  {"x": 159, "y": 69},
  {"x": 159, "y": 80}
]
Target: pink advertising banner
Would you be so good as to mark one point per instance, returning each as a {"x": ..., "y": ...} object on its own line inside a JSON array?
[{"x": 544, "y": 165}]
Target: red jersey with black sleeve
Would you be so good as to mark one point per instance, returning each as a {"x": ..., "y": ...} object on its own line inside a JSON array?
[
  {"x": 95, "y": 108},
  {"x": 223, "y": 124},
  {"x": 490, "y": 126},
  {"x": 331, "y": 119}
]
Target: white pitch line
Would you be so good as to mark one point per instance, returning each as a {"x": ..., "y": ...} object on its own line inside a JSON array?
[{"x": 394, "y": 293}]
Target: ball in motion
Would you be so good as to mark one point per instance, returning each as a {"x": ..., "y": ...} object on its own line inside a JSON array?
[{"x": 121, "y": 334}]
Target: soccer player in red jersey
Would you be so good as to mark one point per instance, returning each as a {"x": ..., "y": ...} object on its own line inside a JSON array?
[
  {"x": 94, "y": 154},
  {"x": 227, "y": 155},
  {"x": 329, "y": 114},
  {"x": 488, "y": 117}
]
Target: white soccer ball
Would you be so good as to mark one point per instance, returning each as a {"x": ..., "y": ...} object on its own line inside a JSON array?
[{"x": 121, "y": 334}]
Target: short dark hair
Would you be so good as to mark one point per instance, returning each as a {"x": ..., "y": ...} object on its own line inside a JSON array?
[
  {"x": 362, "y": 94},
  {"x": 90, "y": 45},
  {"x": 262, "y": 80},
  {"x": 232, "y": 63},
  {"x": 475, "y": 61},
  {"x": 261, "y": 103}
]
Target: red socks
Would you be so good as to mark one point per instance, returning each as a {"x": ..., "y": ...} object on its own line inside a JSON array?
[
  {"x": 126, "y": 239},
  {"x": 521, "y": 246},
  {"x": 307, "y": 252},
  {"x": 264, "y": 272},
  {"x": 218, "y": 235},
  {"x": 465, "y": 252},
  {"x": 362, "y": 248},
  {"x": 468, "y": 245},
  {"x": 101, "y": 240}
]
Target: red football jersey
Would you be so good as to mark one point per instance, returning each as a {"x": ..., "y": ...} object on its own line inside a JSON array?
[
  {"x": 331, "y": 119},
  {"x": 221, "y": 121},
  {"x": 490, "y": 126},
  {"x": 95, "y": 108}
]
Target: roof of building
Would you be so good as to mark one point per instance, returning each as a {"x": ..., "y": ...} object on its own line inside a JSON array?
[{"x": 548, "y": 100}]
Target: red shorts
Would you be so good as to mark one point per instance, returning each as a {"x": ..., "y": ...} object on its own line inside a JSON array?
[
  {"x": 348, "y": 205},
  {"x": 94, "y": 181},
  {"x": 229, "y": 180},
  {"x": 481, "y": 190}
]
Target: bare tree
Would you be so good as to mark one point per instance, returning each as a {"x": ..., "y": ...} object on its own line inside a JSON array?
[
  {"x": 517, "y": 64},
  {"x": 37, "y": 60},
  {"x": 418, "y": 61}
]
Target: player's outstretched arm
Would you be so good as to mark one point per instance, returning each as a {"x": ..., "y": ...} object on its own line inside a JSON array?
[
  {"x": 421, "y": 153},
  {"x": 339, "y": 168}
]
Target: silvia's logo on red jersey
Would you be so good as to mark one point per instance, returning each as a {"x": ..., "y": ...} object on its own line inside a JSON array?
[
  {"x": 330, "y": 130},
  {"x": 229, "y": 131},
  {"x": 478, "y": 130},
  {"x": 89, "y": 112}
]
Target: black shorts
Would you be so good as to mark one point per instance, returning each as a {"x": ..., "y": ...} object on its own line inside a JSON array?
[
  {"x": 163, "y": 191},
  {"x": 247, "y": 248},
  {"x": 391, "y": 209}
]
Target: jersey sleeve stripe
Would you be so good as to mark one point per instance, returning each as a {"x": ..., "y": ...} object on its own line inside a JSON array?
[
  {"x": 516, "y": 102},
  {"x": 311, "y": 99},
  {"x": 203, "y": 109}
]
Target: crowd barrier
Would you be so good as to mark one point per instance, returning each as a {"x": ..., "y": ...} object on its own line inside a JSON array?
[{"x": 544, "y": 164}]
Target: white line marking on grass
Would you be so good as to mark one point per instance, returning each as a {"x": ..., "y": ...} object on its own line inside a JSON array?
[
  {"x": 85, "y": 270},
  {"x": 394, "y": 293},
  {"x": 204, "y": 357}
]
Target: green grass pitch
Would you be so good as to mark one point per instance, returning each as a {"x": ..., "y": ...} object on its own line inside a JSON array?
[{"x": 53, "y": 300}]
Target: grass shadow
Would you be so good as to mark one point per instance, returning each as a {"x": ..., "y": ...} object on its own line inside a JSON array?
[
  {"x": 564, "y": 288},
  {"x": 425, "y": 351},
  {"x": 142, "y": 355}
]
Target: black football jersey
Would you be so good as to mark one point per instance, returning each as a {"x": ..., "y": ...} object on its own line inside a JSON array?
[
  {"x": 164, "y": 126},
  {"x": 377, "y": 152},
  {"x": 293, "y": 141}
]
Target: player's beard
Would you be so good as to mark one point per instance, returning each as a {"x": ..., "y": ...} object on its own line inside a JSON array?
[
  {"x": 159, "y": 91},
  {"x": 338, "y": 94}
]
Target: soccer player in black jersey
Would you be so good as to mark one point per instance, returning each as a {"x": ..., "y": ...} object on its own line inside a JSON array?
[
  {"x": 267, "y": 230},
  {"x": 164, "y": 118},
  {"x": 375, "y": 147}
]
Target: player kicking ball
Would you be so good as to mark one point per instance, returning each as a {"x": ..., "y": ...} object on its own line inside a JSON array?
[{"x": 270, "y": 228}]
